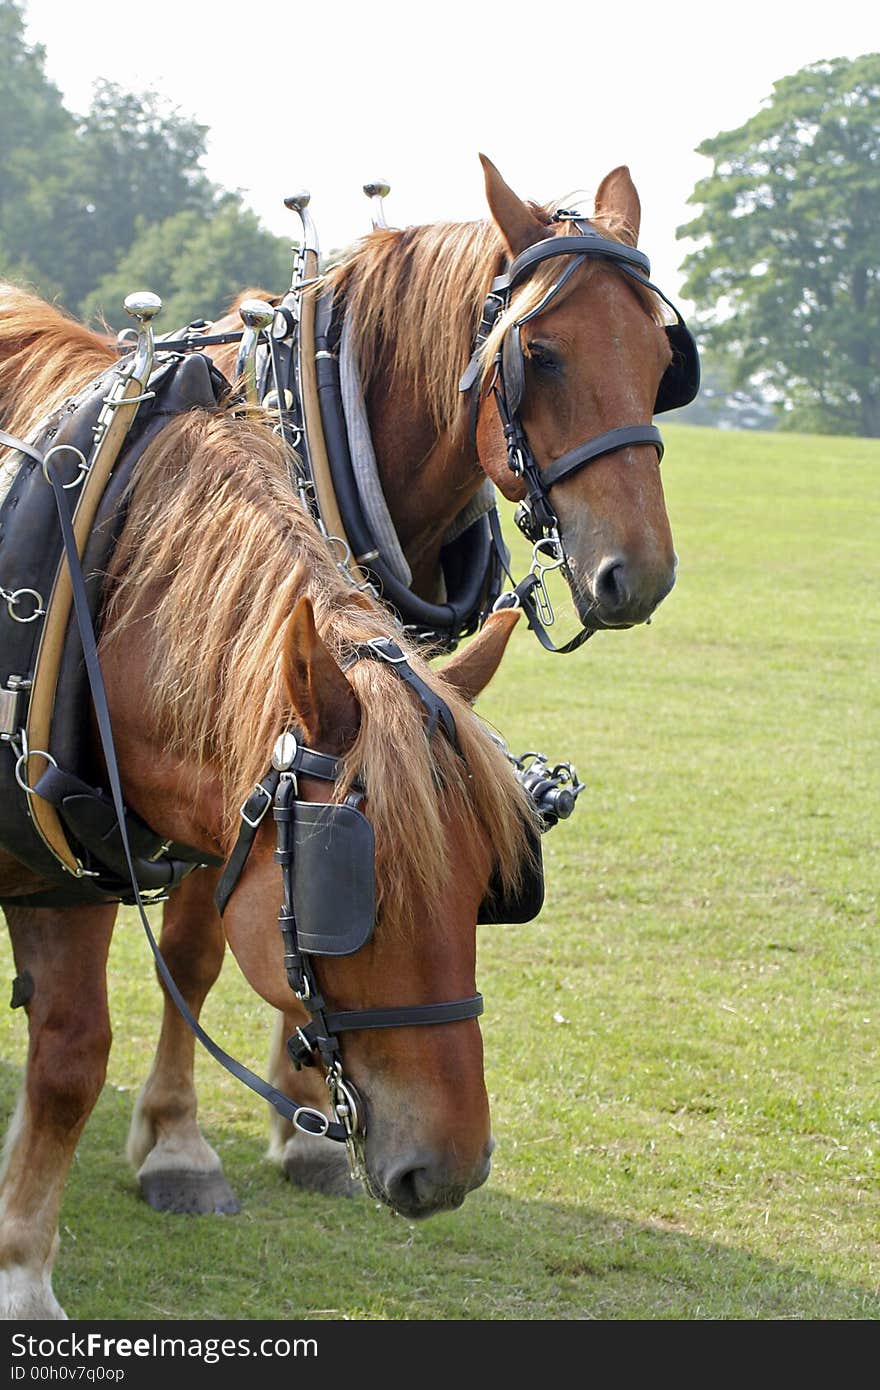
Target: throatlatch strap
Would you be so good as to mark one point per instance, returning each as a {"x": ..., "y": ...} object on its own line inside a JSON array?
[{"x": 252, "y": 814}]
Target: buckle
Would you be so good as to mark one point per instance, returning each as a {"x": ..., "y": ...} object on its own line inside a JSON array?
[
  {"x": 253, "y": 822},
  {"x": 310, "y": 1121},
  {"x": 300, "y": 1050},
  {"x": 386, "y": 647}
]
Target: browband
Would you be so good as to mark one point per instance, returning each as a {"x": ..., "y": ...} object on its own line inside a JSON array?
[{"x": 586, "y": 244}]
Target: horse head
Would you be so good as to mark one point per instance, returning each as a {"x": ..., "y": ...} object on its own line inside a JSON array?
[
  {"x": 424, "y": 1138},
  {"x": 591, "y": 362}
]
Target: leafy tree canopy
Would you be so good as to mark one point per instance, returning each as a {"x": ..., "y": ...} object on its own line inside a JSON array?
[
  {"x": 787, "y": 265},
  {"x": 197, "y": 266},
  {"x": 92, "y": 207}
]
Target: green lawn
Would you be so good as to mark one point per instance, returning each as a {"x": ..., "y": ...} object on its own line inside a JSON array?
[{"x": 682, "y": 1053}]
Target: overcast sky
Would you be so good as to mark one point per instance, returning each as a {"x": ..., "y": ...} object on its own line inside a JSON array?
[{"x": 555, "y": 92}]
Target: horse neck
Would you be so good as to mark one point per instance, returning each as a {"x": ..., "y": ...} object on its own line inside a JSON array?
[{"x": 427, "y": 477}]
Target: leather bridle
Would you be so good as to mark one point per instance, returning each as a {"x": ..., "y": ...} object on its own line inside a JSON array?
[{"x": 536, "y": 515}]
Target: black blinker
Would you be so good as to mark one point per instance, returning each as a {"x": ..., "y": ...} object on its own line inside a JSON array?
[
  {"x": 681, "y": 380},
  {"x": 524, "y": 905},
  {"x": 332, "y": 874}
]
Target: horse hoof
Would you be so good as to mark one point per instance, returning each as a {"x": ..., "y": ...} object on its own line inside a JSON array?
[
  {"x": 189, "y": 1194},
  {"x": 316, "y": 1172}
]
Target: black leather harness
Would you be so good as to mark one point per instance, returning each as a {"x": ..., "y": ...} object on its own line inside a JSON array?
[
  {"x": 31, "y": 549},
  {"x": 472, "y": 573}
]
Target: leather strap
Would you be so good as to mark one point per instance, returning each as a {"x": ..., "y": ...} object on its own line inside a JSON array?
[
  {"x": 624, "y": 438},
  {"x": 386, "y": 649},
  {"x": 252, "y": 814},
  {"x": 9, "y": 441},
  {"x": 406, "y": 1016},
  {"x": 589, "y": 244}
]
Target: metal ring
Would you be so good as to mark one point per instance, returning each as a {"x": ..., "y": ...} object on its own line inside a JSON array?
[
  {"x": 347, "y": 1110},
  {"x": 344, "y": 547},
  {"x": 316, "y": 1130},
  {"x": 59, "y": 448},
  {"x": 22, "y": 758},
  {"x": 13, "y": 598},
  {"x": 547, "y": 562}
]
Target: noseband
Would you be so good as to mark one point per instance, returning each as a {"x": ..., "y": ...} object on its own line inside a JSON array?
[{"x": 535, "y": 515}]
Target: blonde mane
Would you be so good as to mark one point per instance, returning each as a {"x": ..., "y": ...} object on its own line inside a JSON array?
[
  {"x": 415, "y": 296},
  {"x": 220, "y": 550},
  {"x": 44, "y": 358}
]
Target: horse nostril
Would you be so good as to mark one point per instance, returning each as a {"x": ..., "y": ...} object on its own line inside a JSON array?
[
  {"x": 420, "y": 1188},
  {"x": 411, "y": 1190},
  {"x": 610, "y": 587}
]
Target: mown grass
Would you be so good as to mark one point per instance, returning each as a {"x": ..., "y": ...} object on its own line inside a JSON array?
[{"x": 682, "y": 1053}]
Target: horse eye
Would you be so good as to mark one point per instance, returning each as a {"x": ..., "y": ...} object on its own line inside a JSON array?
[{"x": 543, "y": 357}]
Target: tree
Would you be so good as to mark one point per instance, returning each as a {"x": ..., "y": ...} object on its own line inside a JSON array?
[
  {"x": 93, "y": 207},
  {"x": 197, "y": 264},
  {"x": 786, "y": 274},
  {"x": 75, "y": 190},
  {"x": 36, "y": 135},
  {"x": 721, "y": 405},
  {"x": 135, "y": 163}
]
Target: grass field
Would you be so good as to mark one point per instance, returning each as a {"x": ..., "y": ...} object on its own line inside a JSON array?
[{"x": 682, "y": 1053}]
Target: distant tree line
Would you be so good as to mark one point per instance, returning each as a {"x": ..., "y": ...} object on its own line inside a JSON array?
[
  {"x": 786, "y": 270},
  {"x": 95, "y": 206}
]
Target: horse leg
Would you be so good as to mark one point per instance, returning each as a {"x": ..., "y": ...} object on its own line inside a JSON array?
[
  {"x": 321, "y": 1165},
  {"x": 65, "y": 952},
  {"x": 177, "y": 1169}
]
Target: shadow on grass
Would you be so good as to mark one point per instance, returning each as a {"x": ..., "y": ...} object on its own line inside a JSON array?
[{"x": 295, "y": 1255}]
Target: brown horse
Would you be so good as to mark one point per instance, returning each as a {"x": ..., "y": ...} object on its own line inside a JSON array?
[
  {"x": 593, "y": 362},
  {"x": 224, "y": 622}
]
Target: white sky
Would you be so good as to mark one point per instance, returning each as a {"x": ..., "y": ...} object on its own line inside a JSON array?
[{"x": 555, "y": 92}]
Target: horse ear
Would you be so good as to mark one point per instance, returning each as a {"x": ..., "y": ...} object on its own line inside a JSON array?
[
  {"x": 616, "y": 196},
  {"x": 473, "y": 668},
  {"x": 323, "y": 701},
  {"x": 514, "y": 219}
]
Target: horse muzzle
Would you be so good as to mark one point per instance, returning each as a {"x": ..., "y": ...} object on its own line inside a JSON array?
[
  {"x": 619, "y": 592},
  {"x": 421, "y": 1183}
]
